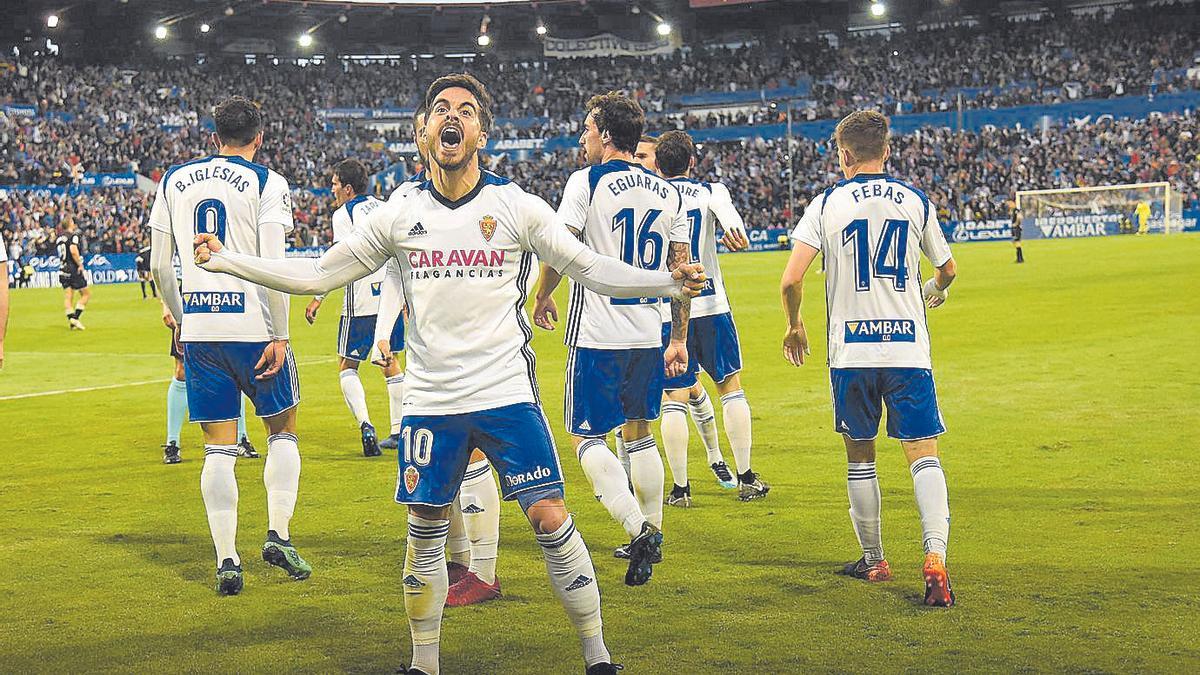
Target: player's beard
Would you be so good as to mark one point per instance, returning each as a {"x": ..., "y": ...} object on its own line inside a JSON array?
[{"x": 450, "y": 165}]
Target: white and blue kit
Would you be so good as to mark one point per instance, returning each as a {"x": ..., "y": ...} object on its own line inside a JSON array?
[
  {"x": 360, "y": 306},
  {"x": 712, "y": 341},
  {"x": 615, "y": 369},
  {"x": 872, "y": 230},
  {"x": 227, "y": 322},
  {"x": 466, "y": 267}
]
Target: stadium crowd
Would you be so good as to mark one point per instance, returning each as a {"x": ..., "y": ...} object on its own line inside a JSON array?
[
  {"x": 969, "y": 175},
  {"x": 144, "y": 117}
]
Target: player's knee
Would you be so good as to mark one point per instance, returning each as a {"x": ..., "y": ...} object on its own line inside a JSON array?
[
  {"x": 914, "y": 450},
  {"x": 282, "y": 423},
  {"x": 429, "y": 512},
  {"x": 636, "y": 429},
  {"x": 859, "y": 451},
  {"x": 180, "y": 374},
  {"x": 477, "y": 455},
  {"x": 544, "y": 507},
  {"x": 729, "y": 384},
  {"x": 347, "y": 364}
]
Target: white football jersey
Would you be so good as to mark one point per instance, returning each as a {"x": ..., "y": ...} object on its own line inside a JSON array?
[
  {"x": 233, "y": 199},
  {"x": 872, "y": 230},
  {"x": 467, "y": 267},
  {"x": 362, "y": 296},
  {"x": 705, "y": 205},
  {"x": 626, "y": 212}
]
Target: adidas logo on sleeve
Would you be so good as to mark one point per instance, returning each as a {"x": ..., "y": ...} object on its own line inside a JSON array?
[{"x": 417, "y": 230}]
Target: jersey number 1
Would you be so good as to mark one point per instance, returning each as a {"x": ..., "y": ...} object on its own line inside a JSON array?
[
  {"x": 210, "y": 218},
  {"x": 892, "y": 246}
]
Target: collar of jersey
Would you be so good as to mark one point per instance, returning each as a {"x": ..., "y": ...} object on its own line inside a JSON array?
[
  {"x": 863, "y": 177},
  {"x": 485, "y": 178}
]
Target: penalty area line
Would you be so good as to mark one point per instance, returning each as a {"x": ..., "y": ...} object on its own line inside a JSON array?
[{"x": 82, "y": 390}]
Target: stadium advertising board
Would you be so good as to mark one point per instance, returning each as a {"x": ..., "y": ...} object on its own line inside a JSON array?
[
  {"x": 100, "y": 268},
  {"x": 607, "y": 44}
]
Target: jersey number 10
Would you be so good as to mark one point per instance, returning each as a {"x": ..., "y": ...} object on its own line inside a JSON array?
[
  {"x": 892, "y": 246},
  {"x": 640, "y": 247},
  {"x": 210, "y": 218}
]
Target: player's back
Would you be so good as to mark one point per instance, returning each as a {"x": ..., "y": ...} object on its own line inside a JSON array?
[
  {"x": 707, "y": 205},
  {"x": 626, "y": 212},
  {"x": 362, "y": 296},
  {"x": 872, "y": 229},
  {"x": 233, "y": 199}
]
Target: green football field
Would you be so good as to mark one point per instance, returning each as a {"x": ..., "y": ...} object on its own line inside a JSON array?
[{"x": 1069, "y": 385}]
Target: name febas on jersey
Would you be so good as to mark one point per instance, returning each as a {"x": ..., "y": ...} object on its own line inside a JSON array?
[
  {"x": 626, "y": 212},
  {"x": 704, "y": 206},
  {"x": 467, "y": 267},
  {"x": 232, "y": 199},
  {"x": 872, "y": 230},
  {"x": 362, "y": 296}
]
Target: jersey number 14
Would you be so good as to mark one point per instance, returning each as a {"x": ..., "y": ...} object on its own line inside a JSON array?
[{"x": 888, "y": 261}]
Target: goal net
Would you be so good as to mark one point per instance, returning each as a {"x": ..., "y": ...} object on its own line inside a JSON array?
[{"x": 1119, "y": 209}]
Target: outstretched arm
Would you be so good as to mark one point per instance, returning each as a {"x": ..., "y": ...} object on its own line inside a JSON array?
[
  {"x": 299, "y": 276},
  {"x": 272, "y": 243},
  {"x": 391, "y": 304}
]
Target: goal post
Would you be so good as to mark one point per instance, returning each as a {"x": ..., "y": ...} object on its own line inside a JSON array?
[{"x": 1118, "y": 208}]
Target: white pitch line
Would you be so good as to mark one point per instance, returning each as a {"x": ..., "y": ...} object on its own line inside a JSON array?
[{"x": 81, "y": 390}]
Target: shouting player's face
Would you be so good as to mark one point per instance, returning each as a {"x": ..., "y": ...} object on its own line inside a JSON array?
[
  {"x": 454, "y": 131},
  {"x": 591, "y": 141}
]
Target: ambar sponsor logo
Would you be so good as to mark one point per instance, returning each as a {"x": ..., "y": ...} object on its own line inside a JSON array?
[{"x": 881, "y": 330}]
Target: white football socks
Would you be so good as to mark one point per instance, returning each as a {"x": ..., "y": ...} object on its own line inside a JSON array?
[
  {"x": 356, "y": 398},
  {"x": 457, "y": 543},
  {"x": 705, "y": 420},
  {"x": 281, "y": 476},
  {"x": 610, "y": 484},
  {"x": 395, "y": 389},
  {"x": 675, "y": 440},
  {"x": 574, "y": 581},
  {"x": 737, "y": 428},
  {"x": 862, "y": 486},
  {"x": 479, "y": 499},
  {"x": 929, "y": 485},
  {"x": 646, "y": 473},
  {"x": 177, "y": 409},
  {"x": 218, "y": 486},
  {"x": 621, "y": 453},
  {"x": 425, "y": 588}
]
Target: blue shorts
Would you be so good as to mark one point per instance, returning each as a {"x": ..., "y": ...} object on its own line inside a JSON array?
[
  {"x": 859, "y": 395},
  {"x": 713, "y": 345},
  {"x": 436, "y": 449},
  {"x": 218, "y": 373},
  {"x": 608, "y": 387},
  {"x": 356, "y": 337}
]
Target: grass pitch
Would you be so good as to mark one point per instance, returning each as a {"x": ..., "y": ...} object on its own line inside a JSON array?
[{"x": 1069, "y": 385}]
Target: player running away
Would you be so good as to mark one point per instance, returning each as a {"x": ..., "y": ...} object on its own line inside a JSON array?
[
  {"x": 360, "y": 307},
  {"x": 872, "y": 229},
  {"x": 70, "y": 275},
  {"x": 234, "y": 334},
  {"x": 466, "y": 243}
]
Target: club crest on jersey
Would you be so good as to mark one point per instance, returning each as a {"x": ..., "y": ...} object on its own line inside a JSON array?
[
  {"x": 214, "y": 302},
  {"x": 487, "y": 227},
  {"x": 411, "y": 478},
  {"x": 881, "y": 330}
]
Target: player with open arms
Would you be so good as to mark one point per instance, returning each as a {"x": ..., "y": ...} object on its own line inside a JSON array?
[
  {"x": 872, "y": 229},
  {"x": 360, "y": 307},
  {"x": 234, "y": 334},
  {"x": 615, "y": 362},
  {"x": 712, "y": 337},
  {"x": 466, "y": 243},
  {"x": 473, "y": 543},
  {"x": 70, "y": 248}
]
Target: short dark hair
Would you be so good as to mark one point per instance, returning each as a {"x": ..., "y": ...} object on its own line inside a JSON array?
[
  {"x": 238, "y": 121},
  {"x": 674, "y": 153},
  {"x": 864, "y": 133},
  {"x": 469, "y": 83},
  {"x": 647, "y": 138},
  {"x": 621, "y": 117},
  {"x": 352, "y": 172}
]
